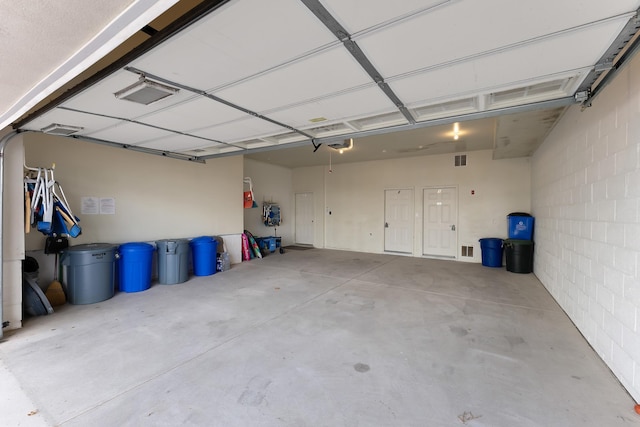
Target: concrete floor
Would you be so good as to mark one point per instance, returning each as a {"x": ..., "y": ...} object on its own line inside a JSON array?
[{"x": 314, "y": 338}]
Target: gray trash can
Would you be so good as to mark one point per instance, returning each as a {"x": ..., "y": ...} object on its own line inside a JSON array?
[
  {"x": 88, "y": 272},
  {"x": 173, "y": 261}
]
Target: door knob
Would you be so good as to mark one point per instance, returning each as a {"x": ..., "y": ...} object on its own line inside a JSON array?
[
  {"x": 453, "y": 227},
  {"x": 386, "y": 225}
]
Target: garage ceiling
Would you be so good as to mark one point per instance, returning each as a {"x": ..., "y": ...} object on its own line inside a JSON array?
[{"x": 249, "y": 76}]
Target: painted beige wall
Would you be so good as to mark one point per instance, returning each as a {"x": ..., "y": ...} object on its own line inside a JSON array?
[
  {"x": 586, "y": 198},
  {"x": 270, "y": 183},
  {"x": 354, "y": 194},
  {"x": 156, "y": 197}
]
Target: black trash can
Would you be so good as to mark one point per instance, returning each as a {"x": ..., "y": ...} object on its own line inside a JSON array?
[{"x": 519, "y": 255}]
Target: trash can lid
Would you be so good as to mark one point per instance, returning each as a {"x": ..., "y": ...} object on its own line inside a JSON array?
[
  {"x": 89, "y": 247},
  {"x": 136, "y": 247},
  {"x": 519, "y": 214},
  {"x": 201, "y": 239}
]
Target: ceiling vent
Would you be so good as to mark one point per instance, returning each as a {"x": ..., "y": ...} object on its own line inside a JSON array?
[
  {"x": 532, "y": 93},
  {"x": 380, "y": 121},
  {"x": 286, "y": 138},
  {"x": 62, "y": 130},
  {"x": 145, "y": 92},
  {"x": 445, "y": 109},
  {"x": 330, "y": 130}
]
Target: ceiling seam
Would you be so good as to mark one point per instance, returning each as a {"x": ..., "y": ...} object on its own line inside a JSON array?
[
  {"x": 505, "y": 48},
  {"x": 534, "y": 106},
  {"x": 352, "y": 47},
  {"x": 163, "y": 153},
  {"x": 401, "y": 18},
  {"x": 133, "y": 121},
  {"x": 216, "y": 98},
  {"x": 192, "y": 16}
]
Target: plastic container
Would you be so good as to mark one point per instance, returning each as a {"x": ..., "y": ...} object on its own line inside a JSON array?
[
  {"x": 223, "y": 262},
  {"x": 520, "y": 226},
  {"x": 204, "y": 251},
  {"x": 491, "y": 252},
  {"x": 173, "y": 261},
  {"x": 88, "y": 272},
  {"x": 519, "y": 255},
  {"x": 134, "y": 266},
  {"x": 268, "y": 243}
]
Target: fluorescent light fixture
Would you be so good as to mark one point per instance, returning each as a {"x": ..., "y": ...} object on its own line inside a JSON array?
[
  {"x": 62, "y": 130},
  {"x": 145, "y": 92}
]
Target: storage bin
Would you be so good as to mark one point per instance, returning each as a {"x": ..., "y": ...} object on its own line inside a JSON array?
[
  {"x": 204, "y": 251},
  {"x": 134, "y": 266},
  {"x": 520, "y": 226},
  {"x": 88, "y": 272},
  {"x": 491, "y": 248},
  {"x": 519, "y": 255},
  {"x": 173, "y": 261}
]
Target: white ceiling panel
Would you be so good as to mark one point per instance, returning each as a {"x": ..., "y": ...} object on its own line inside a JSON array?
[
  {"x": 239, "y": 130},
  {"x": 100, "y": 98},
  {"x": 191, "y": 114},
  {"x": 89, "y": 122},
  {"x": 241, "y": 39},
  {"x": 440, "y": 58},
  {"x": 178, "y": 143},
  {"x": 451, "y": 32},
  {"x": 538, "y": 61},
  {"x": 329, "y": 72},
  {"x": 129, "y": 133},
  {"x": 369, "y": 101},
  {"x": 359, "y": 15}
]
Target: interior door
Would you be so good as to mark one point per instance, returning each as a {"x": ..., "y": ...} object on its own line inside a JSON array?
[
  {"x": 440, "y": 222},
  {"x": 398, "y": 221},
  {"x": 304, "y": 227}
]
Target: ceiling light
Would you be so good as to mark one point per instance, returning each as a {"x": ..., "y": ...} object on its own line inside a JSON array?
[
  {"x": 62, "y": 130},
  {"x": 347, "y": 144},
  {"x": 456, "y": 131},
  {"x": 145, "y": 92}
]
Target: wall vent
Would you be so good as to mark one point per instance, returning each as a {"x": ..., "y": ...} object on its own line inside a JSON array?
[
  {"x": 460, "y": 160},
  {"x": 467, "y": 251}
]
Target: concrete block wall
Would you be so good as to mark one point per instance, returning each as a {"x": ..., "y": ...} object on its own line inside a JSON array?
[{"x": 586, "y": 200}]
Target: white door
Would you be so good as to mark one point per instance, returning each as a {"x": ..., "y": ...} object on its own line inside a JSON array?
[
  {"x": 440, "y": 222},
  {"x": 304, "y": 219},
  {"x": 398, "y": 221}
]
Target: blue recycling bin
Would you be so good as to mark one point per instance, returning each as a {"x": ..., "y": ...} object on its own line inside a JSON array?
[
  {"x": 520, "y": 226},
  {"x": 204, "y": 251},
  {"x": 134, "y": 266},
  {"x": 491, "y": 252}
]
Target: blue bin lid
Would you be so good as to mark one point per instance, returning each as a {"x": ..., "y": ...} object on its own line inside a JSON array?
[
  {"x": 136, "y": 247},
  {"x": 201, "y": 240}
]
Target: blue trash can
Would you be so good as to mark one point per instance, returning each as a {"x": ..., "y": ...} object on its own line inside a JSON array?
[
  {"x": 520, "y": 226},
  {"x": 204, "y": 250},
  {"x": 134, "y": 266},
  {"x": 491, "y": 252}
]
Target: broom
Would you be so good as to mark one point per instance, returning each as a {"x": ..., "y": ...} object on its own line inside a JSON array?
[{"x": 55, "y": 293}]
